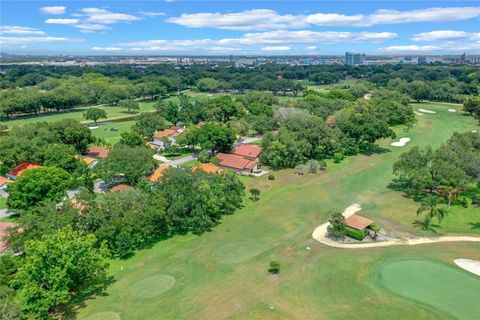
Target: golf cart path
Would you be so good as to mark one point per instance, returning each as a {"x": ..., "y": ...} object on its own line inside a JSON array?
[{"x": 320, "y": 234}]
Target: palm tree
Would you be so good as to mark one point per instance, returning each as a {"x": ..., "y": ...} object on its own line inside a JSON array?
[
  {"x": 450, "y": 192},
  {"x": 430, "y": 205}
]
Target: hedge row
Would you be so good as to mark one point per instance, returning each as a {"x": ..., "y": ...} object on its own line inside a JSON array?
[{"x": 354, "y": 233}]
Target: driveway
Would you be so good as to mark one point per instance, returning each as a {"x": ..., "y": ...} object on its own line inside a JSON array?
[{"x": 180, "y": 161}]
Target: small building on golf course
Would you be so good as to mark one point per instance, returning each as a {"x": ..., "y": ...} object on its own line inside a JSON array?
[{"x": 358, "y": 222}]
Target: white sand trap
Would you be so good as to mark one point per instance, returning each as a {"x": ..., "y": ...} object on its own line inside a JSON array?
[
  {"x": 426, "y": 111},
  {"x": 452, "y": 110},
  {"x": 474, "y": 131},
  {"x": 367, "y": 96},
  {"x": 470, "y": 265},
  {"x": 400, "y": 143},
  {"x": 91, "y": 128},
  {"x": 418, "y": 113}
]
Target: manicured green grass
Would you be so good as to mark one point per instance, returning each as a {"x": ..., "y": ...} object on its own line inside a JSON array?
[
  {"x": 77, "y": 114},
  {"x": 190, "y": 163},
  {"x": 223, "y": 274},
  {"x": 447, "y": 289},
  {"x": 3, "y": 203},
  {"x": 104, "y": 131}
]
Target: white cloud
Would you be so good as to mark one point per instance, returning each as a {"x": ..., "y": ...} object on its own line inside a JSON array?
[
  {"x": 20, "y": 30},
  {"x": 91, "y": 27},
  {"x": 255, "y": 19},
  {"x": 311, "y": 47},
  {"x": 102, "y": 16},
  {"x": 107, "y": 49},
  {"x": 410, "y": 48},
  {"x": 423, "y": 15},
  {"x": 15, "y": 41},
  {"x": 445, "y": 35},
  {"x": 264, "y": 19},
  {"x": 277, "y": 48},
  {"x": 151, "y": 14},
  {"x": 53, "y": 10},
  {"x": 62, "y": 21}
]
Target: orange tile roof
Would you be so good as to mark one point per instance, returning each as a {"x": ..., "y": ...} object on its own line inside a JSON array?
[
  {"x": 88, "y": 160},
  {"x": 80, "y": 205},
  {"x": 3, "y": 232},
  {"x": 248, "y": 150},
  {"x": 164, "y": 133},
  {"x": 235, "y": 161},
  {"x": 4, "y": 181},
  {"x": 157, "y": 174},
  {"x": 358, "y": 222},
  {"x": 120, "y": 187},
  {"x": 22, "y": 167},
  {"x": 207, "y": 167},
  {"x": 97, "y": 152}
]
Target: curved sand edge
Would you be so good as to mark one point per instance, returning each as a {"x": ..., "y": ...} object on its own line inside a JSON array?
[
  {"x": 426, "y": 111},
  {"x": 320, "y": 234},
  {"x": 470, "y": 265},
  {"x": 401, "y": 142}
]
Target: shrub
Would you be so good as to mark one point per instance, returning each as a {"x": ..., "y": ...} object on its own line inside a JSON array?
[
  {"x": 476, "y": 200},
  {"x": 204, "y": 156},
  {"x": 354, "y": 233},
  {"x": 322, "y": 165},
  {"x": 271, "y": 177},
  {"x": 274, "y": 267},
  {"x": 375, "y": 227},
  {"x": 337, "y": 157},
  {"x": 255, "y": 194},
  {"x": 465, "y": 202}
]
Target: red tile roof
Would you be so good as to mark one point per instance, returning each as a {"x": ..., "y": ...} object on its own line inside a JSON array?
[
  {"x": 97, "y": 152},
  {"x": 235, "y": 161},
  {"x": 3, "y": 232},
  {"x": 4, "y": 181},
  {"x": 120, "y": 187},
  {"x": 22, "y": 167},
  {"x": 358, "y": 222},
  {"x": 157, "y": 174},
  {"x": 248, "y": 150},
  {"x": 172, "y": 131}
]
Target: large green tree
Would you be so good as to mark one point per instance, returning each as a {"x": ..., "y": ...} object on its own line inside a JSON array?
[
  {"x": 37, "y": 185},
  {"x": 95, "y": 114},
  {"x": 59, "y": 267}
]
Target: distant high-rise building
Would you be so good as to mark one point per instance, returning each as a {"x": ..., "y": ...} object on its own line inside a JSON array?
[{"x": 355, "y": 59}]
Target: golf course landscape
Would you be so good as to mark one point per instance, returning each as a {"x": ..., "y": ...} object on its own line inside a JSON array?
[{"x": 223, "y": 274}]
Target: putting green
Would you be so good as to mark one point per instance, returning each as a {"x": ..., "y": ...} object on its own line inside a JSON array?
[
  {"x": 235, "y": 252},
  {"x": 152, "y": 286},
  {"x": 443, "y": 288},
  {"x": 106, "y": 315}
]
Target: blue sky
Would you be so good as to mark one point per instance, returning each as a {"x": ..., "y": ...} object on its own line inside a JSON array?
[{"x": 239, "y": 27}]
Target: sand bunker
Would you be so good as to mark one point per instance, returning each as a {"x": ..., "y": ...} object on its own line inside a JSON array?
[
  {"x": 91, "y": 128},
  {"x": 452, "y": 110},
  {"x": 418, "y": 113},
  {"x": 426, "y": 111},
  {"x": 470, "y": 265},
  {"x": 400, "y": 143}
]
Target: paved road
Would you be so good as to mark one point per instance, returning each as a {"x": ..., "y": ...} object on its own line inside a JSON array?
[
  {"x": 251, "y": 139},
  {"x": 5, "y": 213},
  {"x": 177, "y": 162}
]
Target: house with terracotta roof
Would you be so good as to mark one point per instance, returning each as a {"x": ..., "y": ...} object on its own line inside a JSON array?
[
  {"x": 4, "y": 226},
  {"x": 207, "y": 167},
  {"x": 166, "y": 138},
  {"x": 358, "y": 222},
  {"x": 97, "y": 152},
  {"x": 157, "y": 174},
  {"x": 238, "y": 164},
  {"x": 20, "y": 169},
  {"x": 4, "y": 182},
  {"x": 249, "y": 151},
  {"x": 89, "y": 161},
  {"x": 120, "y": 187}
]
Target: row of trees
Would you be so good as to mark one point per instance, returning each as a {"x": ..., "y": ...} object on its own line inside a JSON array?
[{"x": 447, "y": 174}]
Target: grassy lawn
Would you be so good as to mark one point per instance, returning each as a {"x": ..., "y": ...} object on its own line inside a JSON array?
[
  {"x": 223, "y": 274},
  {"x": 444, "y": 288},
  {"x": 77, "y": 114},
  {"x": 3, "y": 203},
  {"x": 105, "y": 131},
  {"x": 190, "y": 163}
]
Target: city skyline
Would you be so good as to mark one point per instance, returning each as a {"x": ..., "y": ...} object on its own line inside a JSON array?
[{"x": 239, "y": 28}]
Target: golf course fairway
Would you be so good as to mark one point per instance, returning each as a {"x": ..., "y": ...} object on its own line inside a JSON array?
[{"x": 441, "y": 287}]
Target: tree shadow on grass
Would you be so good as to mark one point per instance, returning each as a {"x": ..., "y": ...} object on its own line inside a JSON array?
[
  {"x": 372, "y": 150},
  {"x": 401, "y": 186},
  {"x": 70, "y": 310},
  {"x": 474, "y": 225}
]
